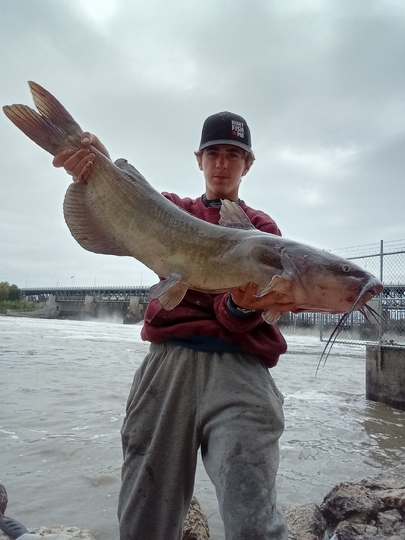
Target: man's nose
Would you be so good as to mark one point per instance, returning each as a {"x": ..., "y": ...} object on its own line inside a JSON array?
[{"x": 222, "y": 162}]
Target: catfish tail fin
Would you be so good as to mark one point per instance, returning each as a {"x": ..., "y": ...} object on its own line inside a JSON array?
[
  {"x": 48, "y": 106},
  {"x": 53, "y": 129}
]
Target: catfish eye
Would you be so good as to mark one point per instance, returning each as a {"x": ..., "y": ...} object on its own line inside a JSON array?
[{"x": 345, "y": 268}]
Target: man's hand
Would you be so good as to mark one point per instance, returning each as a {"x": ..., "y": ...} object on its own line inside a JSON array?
[
  {"x": 245, "y": 297},
  {"x": 78, "y": 163}
]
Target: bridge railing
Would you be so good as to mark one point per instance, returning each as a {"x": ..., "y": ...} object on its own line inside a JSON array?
[
  {"x": 385, "y": 260},
  {"x": 78, "y": 294}
]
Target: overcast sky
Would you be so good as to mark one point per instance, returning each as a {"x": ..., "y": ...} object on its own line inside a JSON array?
[{"x": 321, "y": 84}]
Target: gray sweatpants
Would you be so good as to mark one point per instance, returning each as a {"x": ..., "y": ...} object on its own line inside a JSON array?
[{"x": 226, "y": 403}]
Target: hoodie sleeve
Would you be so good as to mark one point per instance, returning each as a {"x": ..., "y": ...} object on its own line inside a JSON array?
[{"x": 232, "y": 320}]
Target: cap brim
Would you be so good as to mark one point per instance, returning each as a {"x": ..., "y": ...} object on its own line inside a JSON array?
[{"x": 226, "y": 141}]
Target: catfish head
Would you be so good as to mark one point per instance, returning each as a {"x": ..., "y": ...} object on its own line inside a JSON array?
[
  {"x": 323, "y": 282},
  {"x": 296, "y": 277}
]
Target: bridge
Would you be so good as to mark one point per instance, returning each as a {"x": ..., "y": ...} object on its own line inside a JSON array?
[
  {"x": 129, "y": 303},
  {"x": 101, "y": 294},
  {"x": 392, "y": 295},
  {"x": 89, "y": 302}
]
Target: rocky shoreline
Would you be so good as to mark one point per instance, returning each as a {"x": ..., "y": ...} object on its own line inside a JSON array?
[{"x": 373, "y": 508}]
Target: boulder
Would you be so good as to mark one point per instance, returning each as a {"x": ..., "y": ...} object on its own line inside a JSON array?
[
  {"x": 195, "y": 526},
  {"x": 350, "y": 501},
  {"x": 371, "y": 509},
  {"x": 3, "y": 499},
  {"x": 57, "y": 530},
  {"x": 305, "y": 522}
]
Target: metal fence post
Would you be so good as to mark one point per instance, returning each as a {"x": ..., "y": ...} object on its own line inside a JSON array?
[
  {"x": 321, "y": 327},
  {"x": 380, "y": 329}
]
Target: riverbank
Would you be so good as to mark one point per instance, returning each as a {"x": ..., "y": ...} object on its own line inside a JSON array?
[{"x": 373, "y": 508}]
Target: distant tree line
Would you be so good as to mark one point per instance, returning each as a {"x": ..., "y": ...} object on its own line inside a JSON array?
[
  {"x": 10, "y": 299},
  {"x": 9, "y": 292}
]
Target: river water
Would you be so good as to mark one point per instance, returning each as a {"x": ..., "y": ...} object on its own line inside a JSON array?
[{"x": 63, "y": 389}]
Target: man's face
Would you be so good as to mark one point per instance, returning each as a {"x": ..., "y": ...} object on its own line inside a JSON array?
[{"x": 223, "y": 166}]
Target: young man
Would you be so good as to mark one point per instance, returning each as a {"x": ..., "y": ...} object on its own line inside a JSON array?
[{"x": 205, "y": 382}]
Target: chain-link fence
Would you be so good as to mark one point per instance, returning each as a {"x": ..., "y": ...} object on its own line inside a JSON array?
[{"x": 386, "y": 261}]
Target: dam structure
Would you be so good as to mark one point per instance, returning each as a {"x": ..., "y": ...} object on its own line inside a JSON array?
[{"x": 126, "y": 302}]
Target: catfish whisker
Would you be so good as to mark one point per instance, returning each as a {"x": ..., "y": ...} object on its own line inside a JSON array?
[
  {"x": 334, "y": 335},
  {"x": 375, "y": 314},
  {"x": 332, "y": 339}
]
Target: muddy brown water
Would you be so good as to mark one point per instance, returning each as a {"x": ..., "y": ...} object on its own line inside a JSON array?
[{"x": 63, "y": 388}]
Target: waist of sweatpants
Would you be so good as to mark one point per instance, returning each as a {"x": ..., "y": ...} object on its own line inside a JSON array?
[
  {"x": 203, "y": 343},
  {"x": 161, "y": 346}
]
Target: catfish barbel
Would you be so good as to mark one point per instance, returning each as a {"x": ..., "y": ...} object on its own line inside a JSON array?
[{"x": 119, "y": 213}]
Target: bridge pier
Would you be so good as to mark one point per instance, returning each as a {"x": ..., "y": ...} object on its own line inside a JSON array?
[
  {"x": 52, "y": 307},
  {"x": 134, "y": 312},
  {"x": 385, "y": 375},
  {"x": 89, "y": 307}
]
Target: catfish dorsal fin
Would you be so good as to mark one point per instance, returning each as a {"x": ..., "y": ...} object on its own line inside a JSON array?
[
  {"x": 233, "y": 217},
  {"x": 131, "y": 171}
]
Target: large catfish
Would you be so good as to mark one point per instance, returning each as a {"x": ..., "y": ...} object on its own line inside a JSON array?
[{"x": 117, "y": 212}]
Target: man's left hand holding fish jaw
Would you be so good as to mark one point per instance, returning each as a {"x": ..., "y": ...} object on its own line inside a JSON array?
[
  {"x": 78, "y": 163},
  {"x": 245, "y": 297}
]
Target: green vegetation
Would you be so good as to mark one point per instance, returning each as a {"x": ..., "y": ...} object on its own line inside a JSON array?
[{"x": 10, "y": 298}]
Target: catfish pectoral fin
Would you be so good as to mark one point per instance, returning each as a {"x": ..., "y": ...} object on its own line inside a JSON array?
[
  {"x": 271, "y": 316},
  {"x": 170, "y": 291},
  {"x": 89, "y": 231},
  {"x": 278, "y": 284}
]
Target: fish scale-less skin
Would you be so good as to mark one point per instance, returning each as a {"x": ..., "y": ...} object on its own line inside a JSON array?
[
  {"x": 166, "y": 238},
  {"x": 119, "y": 213},
  {"x": 139, "y": 220},
  {"x": 161, "y": 235}
]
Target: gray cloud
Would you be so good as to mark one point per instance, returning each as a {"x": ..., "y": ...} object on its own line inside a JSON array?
[{"x": 322, "y": 86}]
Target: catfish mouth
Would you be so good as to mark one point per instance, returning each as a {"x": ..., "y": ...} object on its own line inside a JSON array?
[
  {"x": 351, "y": 303},
  {"x": 367, "y": 293}
]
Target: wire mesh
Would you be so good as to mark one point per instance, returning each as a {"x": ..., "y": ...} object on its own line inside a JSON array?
[{"x": 385, "y": 260}]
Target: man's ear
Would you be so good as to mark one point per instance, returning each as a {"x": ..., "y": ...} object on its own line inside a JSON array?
[
  {"x": 199, "y": 161},
  {"x": 246, "y": 170}
]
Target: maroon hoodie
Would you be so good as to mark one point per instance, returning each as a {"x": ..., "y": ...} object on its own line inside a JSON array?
[{"x": 204, "y": 321}]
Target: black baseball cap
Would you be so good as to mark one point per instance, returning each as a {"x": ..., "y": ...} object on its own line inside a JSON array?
[{"x": 226, "y": 128}]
